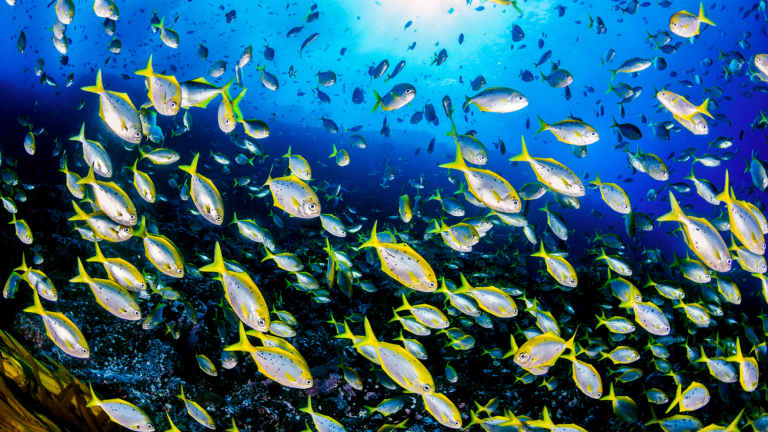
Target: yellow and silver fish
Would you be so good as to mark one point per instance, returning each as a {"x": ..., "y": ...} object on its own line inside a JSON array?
[
  {"x": 61, "y": 330},
  {"x": 118, "y": 112},
  {"x": 403, "y": 264},
  {"x": 204, "y": 194},
  {"x": 164, "y": 90},
  {"x": 552, "y": 173}
]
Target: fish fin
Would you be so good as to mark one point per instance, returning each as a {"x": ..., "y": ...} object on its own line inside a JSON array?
[
  {"x": 97, "y": 88},
  {"x": 217, "y": 265},
  {"x": 82, "y": 276},
  {"x": 378, "y": 101},
  {"x": 496, "y": 195},
  {"x": 99, "y": 257},
  {"x": 147, "y": 72},
  {"x": 542, "y": 253},
  {"x": 373, "y": 241},
  {"x": 191, "y": 169},
  {"x": 94, "y": 400},
  {"x": 90, "y": 178},
  {"x": 242, "y": 345},
  {"x": 236, "y": 105},
  {"x": 703, "y": 108},
  {"x": 703, "y": 18},
  {"x": 542, "y": 126},
  {"x": 369, "y": 338},
  {"x": 81, "y": 136},
  {"x": 37, "y": 308},
  {"x": 80, "y": 215},
  {"x": 524, "y": 156},
  {"x": 724, "y": 196}
]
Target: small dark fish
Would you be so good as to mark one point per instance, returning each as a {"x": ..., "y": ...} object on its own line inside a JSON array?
[
  {"x": 628, "y": 180},
  {"x": 560, "y": 10},
  {"x": 231, "y": 15},
  {"x": 526, "y": 75},
  {"x": 543, "y": 59},
  {"x": 429, "y": 113},
  {"x": 358, "y": 96},
  {"x": 312, "y": 16},
  {"x": 447, "y": 105},
  {"x": 308, "y": 41},
  {"x": 478, "y": 83},
  {"x": 417, "y": 117},
  {"x": 294, "y": 31},
  {"x": 411, "y": 46},
  {"x": 502, "y": 147},
  {"x": 527, "y": 123},
  {"x": 431, "y": 146},
  {"x": 418, "y": 150},
  {"x": 202, "y": 52},
  {"x": 343, "y": 50},
  {"x": 568, "y": 97},
  {"x": 269, "y": 53},
  {"x": 64, "y": 60},
  {"x": 628, "y": 130},
  {"x": 408, "y": 24},
  {"x": 471, "y": 132},
  {"x": 541, "y": 43},
  {"x": 324, "y": 98},
  {"x": 440, "y": 57},
  {"x": 517, "y": 33},
  {"x": 385, "y": 131},
  {"x": 461, "y": 38}
]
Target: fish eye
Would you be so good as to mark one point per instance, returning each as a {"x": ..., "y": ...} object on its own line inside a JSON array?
[
  {"x": 728, "y": 261},
  {"x": 53, "y": 295},
  {"x": 179, "y": 271},
  {"x": 84, "y": 350},
  {"x": 598, "y": 394},
  {"x": 514, "y": 311},
  {"x": 133, "y": 217},
  {"x": 218, "y": 218},
  {"x": 432, "y": 284},
  {"x": 137, "y": 313},
  {"x": 665, "y": 93},
  {"x": 226, "y": 121},
  {"x": 261, "y": 322},
  {"x": 308, "y": 381},
  {"x": 426, "y": 387},
  {"x": 142, "y": 286},
  {"x": 126, "y": 230},
  {"x": 137, "y": 134},
  {"x": 173, "y": 105},
  {"x": 523, "y": 356},
  {"x": 519, "y": 98}
]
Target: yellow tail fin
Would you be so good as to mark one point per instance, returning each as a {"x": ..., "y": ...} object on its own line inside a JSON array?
[{"x": 97, "y": 88}]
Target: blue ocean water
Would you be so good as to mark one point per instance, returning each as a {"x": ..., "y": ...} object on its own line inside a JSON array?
[{"x": 354, "y": 37}]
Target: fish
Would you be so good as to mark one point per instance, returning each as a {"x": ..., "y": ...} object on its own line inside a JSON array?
[
  {"x": 117, "y": 111},
  {"x": 403, "y": 264},
  {"x": 293, "y": 196},
  {"x": 552, "y": 173},
  {"x": 121, "y": 412},
  {"x": 569, "y": 131},
  {"x": 164, "y": 91},
  {"x": 398, "y": 97},
  {"x": 169, "y": 36},
  {"x": 204, "y": 193},
  {"x": 497, "y": 100},
  {"x": 110, "y": 295},
  {"x": 685, "y": 24}
]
